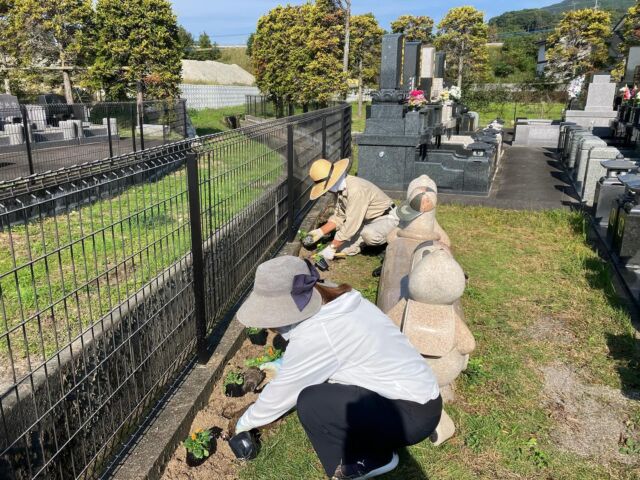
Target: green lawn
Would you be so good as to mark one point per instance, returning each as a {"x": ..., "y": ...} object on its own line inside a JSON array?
[
  {"x": 524, "y": 268},
  {"x": 77, "y": 266},
  {"x": 508, "y": 111},
  {"x": 211, "y": 120}
]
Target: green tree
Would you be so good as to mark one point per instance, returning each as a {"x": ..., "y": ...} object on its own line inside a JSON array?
[
  {"x": 578, "y": 45},
  {"x": 463, "y": 35},
  {"x": 185, "y": 40},
  {"x": 8, "y": 42},
  {"x": 249, "y": 50},
  {"x": 137, "y": 41},
  {"x": 297, "y": 54},
  {"x": 58, "y": 34},
  {"x": 207, "y": 50},
  {"x": 366, "y": 44},
  {"x": 414, "y": 28}
]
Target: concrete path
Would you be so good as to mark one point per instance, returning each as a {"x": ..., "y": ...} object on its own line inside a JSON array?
[{"x": 527, "y": 179}]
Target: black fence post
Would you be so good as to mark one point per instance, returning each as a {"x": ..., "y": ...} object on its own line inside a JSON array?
[
  {"x": 27, "y": 139},
  {"x": 184, "y": 117},
  {"x": 324, "y": 136},
  {"x": 290, "y": 184},
  {"x": 141, "y": 121},
  {"x": 133, "y": 127},
  {"x": 106, "y": 107},
  {"x": 197, "y": 257}
]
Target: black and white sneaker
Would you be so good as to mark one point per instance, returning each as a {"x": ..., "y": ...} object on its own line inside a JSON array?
[{"x": 365, "y": 469}]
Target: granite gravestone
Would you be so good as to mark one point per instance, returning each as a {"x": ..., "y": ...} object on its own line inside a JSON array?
[
  {"x": 393, "y": 136},
  {"x": 599, "y": 112},
  {"x": 427, "y": 66},
  {"x": 391, "y": 64},
  {"x": 411, "y": 70},
  {"x": 633, "y": 61},
  {"x": 440, "y": 64},
  {"x": 609, "y": 188}
]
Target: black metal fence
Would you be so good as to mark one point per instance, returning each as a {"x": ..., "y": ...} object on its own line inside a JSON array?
[
  {"x": 263, "y": 106},
  {"x": 110, "y": 282},
  {"x": 40, "y": 138}
]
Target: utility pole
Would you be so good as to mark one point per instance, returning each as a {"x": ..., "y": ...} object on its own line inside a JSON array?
[{"x": 347, "y": 35}]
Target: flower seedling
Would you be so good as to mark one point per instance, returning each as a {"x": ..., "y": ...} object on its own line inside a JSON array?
[
  {"x": 232, "y": 384},
  {"x": 258, "y": 336},
  {"x": 198, "y": 446},
  {"x": 270, "y": 354},
  {"x": 302, "y": 234}
]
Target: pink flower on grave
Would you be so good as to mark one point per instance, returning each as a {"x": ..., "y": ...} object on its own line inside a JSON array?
[
  {"x": 626, "y": 95},
  {"x": 417, "y": 99}
]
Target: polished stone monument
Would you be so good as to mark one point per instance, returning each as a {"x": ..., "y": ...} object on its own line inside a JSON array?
[
  {"x": 609, "y": 188},
  {"x": 598, "y": 112}
]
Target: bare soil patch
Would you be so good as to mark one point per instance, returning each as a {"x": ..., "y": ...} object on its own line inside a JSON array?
[
  {"x": 590, "y": 420},
  {"x": 217, "y": 414},
  {"x": 553, "y": 329}
]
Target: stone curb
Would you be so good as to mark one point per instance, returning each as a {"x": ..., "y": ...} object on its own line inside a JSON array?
[{"x": 156, "y": 443}]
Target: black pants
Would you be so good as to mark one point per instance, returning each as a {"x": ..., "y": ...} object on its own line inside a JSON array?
[{"x": 348, "y": 424}]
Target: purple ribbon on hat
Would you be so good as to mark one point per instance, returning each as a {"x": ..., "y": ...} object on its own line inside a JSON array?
[{"x": 303, "y": 286}]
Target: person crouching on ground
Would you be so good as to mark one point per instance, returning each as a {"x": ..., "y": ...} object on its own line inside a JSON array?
[
  {"x": 364, "y": 214},
  {"x": 361, "y": 390}
]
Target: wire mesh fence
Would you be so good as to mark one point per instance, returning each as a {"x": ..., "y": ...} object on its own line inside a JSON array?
[
  {"x": 40, "y": 138},
  {"x": 110, "y": 282},
  {"x": 263, "y": 106}
]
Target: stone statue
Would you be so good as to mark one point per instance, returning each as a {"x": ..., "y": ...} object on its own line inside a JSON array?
[{"x": 420, "y": 289}]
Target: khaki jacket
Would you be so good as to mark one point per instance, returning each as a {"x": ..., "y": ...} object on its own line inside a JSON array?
[{"x": 360, "y": 202}]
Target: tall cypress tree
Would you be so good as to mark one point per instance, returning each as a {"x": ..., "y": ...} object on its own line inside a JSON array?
[{"x": 137, "y": 41}]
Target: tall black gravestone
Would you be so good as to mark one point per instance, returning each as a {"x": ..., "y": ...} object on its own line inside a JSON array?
[{"x": 394, "y": 138}]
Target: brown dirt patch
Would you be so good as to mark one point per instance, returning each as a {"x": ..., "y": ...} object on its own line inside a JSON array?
[
  {"x": 590, "y": 420},
  {"x": 222, "y": 464},
  {"x": 551, "y": 329}
]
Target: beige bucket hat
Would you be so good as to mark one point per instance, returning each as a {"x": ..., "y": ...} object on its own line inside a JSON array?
[
  {"x": 283, "y": 294},
  {"x": 325, "y": 175}
]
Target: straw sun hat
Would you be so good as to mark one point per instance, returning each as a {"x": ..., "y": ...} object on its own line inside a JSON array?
[
  {"x": 325, "y": 175},
  {"x": 282, "y": 295}
]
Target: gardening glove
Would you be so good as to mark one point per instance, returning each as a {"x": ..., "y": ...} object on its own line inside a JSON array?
[
  {"x": 272, "y": 367},
  {"x": 316, "y": 235},
  {"x": 329, "y": 253}
]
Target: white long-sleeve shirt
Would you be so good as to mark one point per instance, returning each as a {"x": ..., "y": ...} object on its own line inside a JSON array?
[{"x": 349, "y": 341}]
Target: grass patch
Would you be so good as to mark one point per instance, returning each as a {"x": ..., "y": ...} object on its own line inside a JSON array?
[
  {"x": 59, "y": 274},
  {"x": 211, "y": 120},
  {"x": 358, "y": 121},
  {"x": 522, "y": 266},
  {"x": 236, "y": 55},
  {"x": 508, "y": 111}
]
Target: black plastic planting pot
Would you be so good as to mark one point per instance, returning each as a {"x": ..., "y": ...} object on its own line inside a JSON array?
[
  {"x": 259, "y": 338},
  {"x": 234, "y": 390},
  {"x": 195, "y": 462},
  {"x": 244, "y": 446}
]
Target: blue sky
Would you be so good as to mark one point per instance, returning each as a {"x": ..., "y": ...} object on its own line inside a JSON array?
[{"x": 229, "y": 23}]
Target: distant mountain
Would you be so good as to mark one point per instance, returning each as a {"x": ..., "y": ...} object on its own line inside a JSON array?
[{"x": 544, "y": 19}]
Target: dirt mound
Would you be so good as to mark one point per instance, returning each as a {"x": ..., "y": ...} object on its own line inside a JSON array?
[
  {"x": 591, "y": 420},
  {"x": 215, "y": 73}
]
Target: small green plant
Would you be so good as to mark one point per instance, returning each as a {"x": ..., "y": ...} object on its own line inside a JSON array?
[
  {"x": 270, "y": 355},
  {"x": 302, "y": 234},
  {"x": 197, "y": 444},
  {"x": 254, "y": 330},
  {"x": 531, "y": 449},
  {"x": 630, "y": 447},
  {"x": 233, "y": 378}
]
